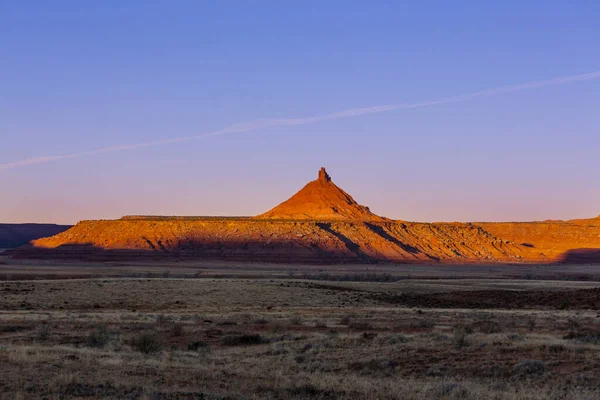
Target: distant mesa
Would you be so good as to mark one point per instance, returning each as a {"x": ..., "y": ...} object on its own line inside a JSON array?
[
  {"x": 322, "y": 224},
  {"x": 321, "y": 199},
  {"x": 14, "y": 235}
]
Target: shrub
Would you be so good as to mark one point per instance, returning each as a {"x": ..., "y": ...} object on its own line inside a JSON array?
[
  {"x": 243, "y": 340},
  {"x": 564, "y": 304},
  {"x": 422, "y": 323},
  {"x": 360, "y": 325},
  {"x": 177, "y": 329},
  {"x": 198, "y": 345},
  {"x": 527, "y": 368},
  {"x": 396, "y": 339},
  {"x": 383, "y": 365},
  {"x": 531, "y": 324},
  {"x": 98, "y": 338},
  {"x": 320, "y": 324},
  {"x": 12, "y": 328},
  {"x": 226, "y": 323},
  {"x": 489, "y": 327},
  {"x": 147, "y": 343},
  {"x": 572, "y": 324},
  {"x": 460, "y": 338},
  {"x": 514, "y": 337},
  {"x": 279, "y": 326},
  {"x": 435, "y": 336},
  {"x": 468, "y": 329},
  {"x": 592, "y": 337},
  {"x": 444, "y": 390},
  {"x": 556, "y": 348},
  {"x": 300, "y": 358},
  {"x": 307, "y": 347},
  {"x": 309, "y": 391},
  {"x": 437, "y": 370},
  {"x": 369, "y": 335},
  {"x": 43, "y": 332}
]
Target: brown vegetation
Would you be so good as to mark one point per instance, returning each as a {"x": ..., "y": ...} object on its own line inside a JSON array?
[{"x": 285, "y": 339}]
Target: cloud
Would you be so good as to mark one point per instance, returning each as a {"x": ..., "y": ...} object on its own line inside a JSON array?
[{"x": 267, "y": 123}]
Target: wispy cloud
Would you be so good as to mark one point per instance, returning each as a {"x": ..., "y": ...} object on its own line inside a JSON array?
[{"x": 266, "y": 123}]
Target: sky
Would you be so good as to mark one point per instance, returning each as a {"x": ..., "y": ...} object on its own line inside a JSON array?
[{"x": 77, "y": 77}]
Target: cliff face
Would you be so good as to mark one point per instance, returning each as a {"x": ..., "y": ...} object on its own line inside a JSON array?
[
  {"x": 278, "y": 241},
  {"x": 552, "y": 240},
  {"x": 323, "y": 224},
  {"x": 313, "y": 241}
]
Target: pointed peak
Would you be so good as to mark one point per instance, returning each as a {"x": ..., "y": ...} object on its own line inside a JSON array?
[
  {"x": 321, "y": 199},
  {"x": 323, "y": 175}
]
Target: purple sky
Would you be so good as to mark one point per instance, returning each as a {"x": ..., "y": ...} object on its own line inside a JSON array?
[{"x": 77, "y": 77}]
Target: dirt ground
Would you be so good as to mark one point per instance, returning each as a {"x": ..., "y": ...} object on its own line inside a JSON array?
[
  {"x": 213, "y": 332},
  {"x": 12, "y": 269}
]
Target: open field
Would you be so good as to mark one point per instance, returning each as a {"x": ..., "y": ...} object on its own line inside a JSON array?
[
  {"x": 277, "y": 337},
  {"x": 12, "y": 269}
]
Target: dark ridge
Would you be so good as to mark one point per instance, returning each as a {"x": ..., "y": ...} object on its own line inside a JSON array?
[{"x": 15, "y": 235}]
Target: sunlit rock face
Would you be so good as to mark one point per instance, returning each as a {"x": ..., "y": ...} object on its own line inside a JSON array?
[
  {"x": 323, "y": 224},
  {"x": 321, "y": 199}
]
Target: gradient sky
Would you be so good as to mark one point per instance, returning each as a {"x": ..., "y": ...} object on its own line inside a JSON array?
[{"x": 76, "y": 76}]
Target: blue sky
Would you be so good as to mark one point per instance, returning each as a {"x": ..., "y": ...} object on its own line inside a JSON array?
[{"x": 79, "y": 76}]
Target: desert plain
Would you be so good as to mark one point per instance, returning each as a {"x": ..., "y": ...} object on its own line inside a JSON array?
[
  {"x": 207, "y": 330},
  {"x": 318, "y": 298}
]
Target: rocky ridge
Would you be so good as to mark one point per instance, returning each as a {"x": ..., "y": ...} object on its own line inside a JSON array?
[{"x": 323, "y": 224}]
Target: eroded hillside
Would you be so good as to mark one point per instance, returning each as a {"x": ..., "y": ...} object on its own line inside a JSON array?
[
  {"x": 279, "y": 241},
  {"x": 323, "y": 224}
]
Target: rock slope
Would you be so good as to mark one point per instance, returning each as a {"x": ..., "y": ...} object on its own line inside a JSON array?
[
  {"x": 278, "y": 241},
  {"x": 321, "y": 199},
  {"x": 323, "y": 224}
]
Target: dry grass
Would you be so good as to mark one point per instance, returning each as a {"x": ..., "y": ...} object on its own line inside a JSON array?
[{"x": 246, "y": 339}]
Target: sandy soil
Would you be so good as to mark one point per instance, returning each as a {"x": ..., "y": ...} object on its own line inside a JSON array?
[{"x": 268, "y": 337}]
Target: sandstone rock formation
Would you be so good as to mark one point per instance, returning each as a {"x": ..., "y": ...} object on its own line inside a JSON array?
[
  {"x": 323, "y": 224},
  {"x": 321, "y": 199}
]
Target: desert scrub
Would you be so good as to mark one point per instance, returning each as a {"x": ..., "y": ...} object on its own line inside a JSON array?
[
  {"x": 320, "y": 324},
  {"x": 583, "y": 336},
  {"x": 99, "y": 337},
  {"x": 162, "y": 319},
  {"x": 448, "y": 390},
  {"x": 177, "y": 329},
  {"x": 360, "y": 325},
  {"x": 514, "y": 337},
  {"x": 199, "y": 345},
  {"x": 489, "y": 327},
  {"x": 397, "y": 339},
  {"x": 147, "y": 343},
  {"x": 346, "y": 319},
  {"x": 43, "y": 332},
  {"x": 461, "y": 337},
  {"x": 529, "y": 368},
  {"x": 243, "y": 340}
]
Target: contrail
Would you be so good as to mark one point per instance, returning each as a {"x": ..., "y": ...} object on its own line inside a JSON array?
[{"x": 266, "y": 123}]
